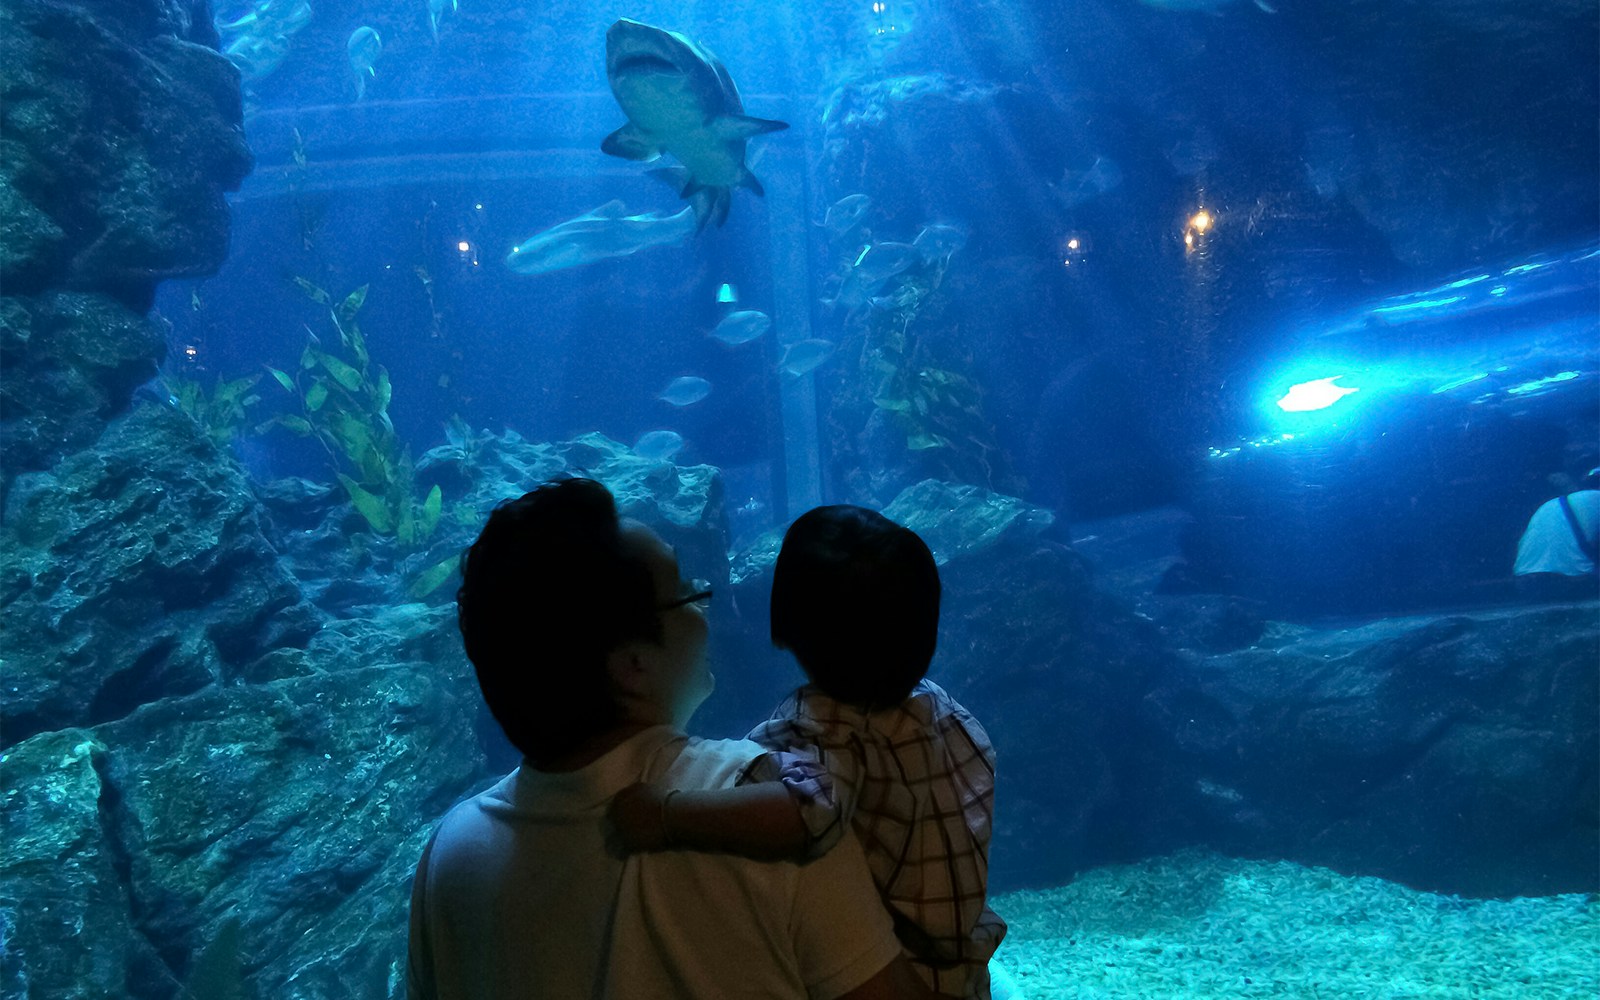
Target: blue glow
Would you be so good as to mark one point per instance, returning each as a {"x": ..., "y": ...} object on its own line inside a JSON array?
[
  {"x": 1543, "y": 383},
  {"x": 1318, "y": 394},
  {"x": 1458, "y": 383},
  {"x": 727, "y": 293},
  {"x": 1498, "y": 290},
  {"x": 1417, "y": 306},
  {"x": 1464, "y": 282}
]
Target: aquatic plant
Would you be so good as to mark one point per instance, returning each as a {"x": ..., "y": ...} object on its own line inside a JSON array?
[
  {"x": 223, "y": 413},
  {"x": 344, "y": 405},
  {"x": 937, "y": 411}
]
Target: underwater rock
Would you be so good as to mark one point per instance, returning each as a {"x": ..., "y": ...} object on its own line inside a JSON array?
[
  {"x": 68, "y": 362},
  {"x": 682, "y": 503},
  {"x": 295, "y": 806},
  {"x": 133, "y": 572},
  {"x": 141, "y": 190},
  {"x": 1456, "y": 754},
  {"x": 956, "y": 520},
  {"x": 121, "y": 138},
  {"x": 65, "y": 924}
]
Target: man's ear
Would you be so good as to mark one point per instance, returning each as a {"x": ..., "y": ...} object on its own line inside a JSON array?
[{"x": 628, "y": 670}]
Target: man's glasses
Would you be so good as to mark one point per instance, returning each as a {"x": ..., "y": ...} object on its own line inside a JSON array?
[{"x": 699, "y": 595}]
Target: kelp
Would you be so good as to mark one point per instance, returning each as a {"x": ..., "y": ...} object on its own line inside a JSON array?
[
  {"x": 224, "y": 412},
  {"x": 344, "y": 404}
]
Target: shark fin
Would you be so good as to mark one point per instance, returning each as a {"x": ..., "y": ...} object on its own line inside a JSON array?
[
  {"x": 676, "y": 178},
  {"x": 613, "y": 209},
  {"x": 749, "y": 180},
  {"x": 733, "y": 127},
  {"x": 630, "y": 144}
]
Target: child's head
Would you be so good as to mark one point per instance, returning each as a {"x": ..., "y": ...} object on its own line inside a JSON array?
[{"x": 855, "y": 597}]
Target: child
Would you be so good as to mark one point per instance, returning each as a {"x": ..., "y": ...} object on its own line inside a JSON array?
[{"x": 868, "y": 743}]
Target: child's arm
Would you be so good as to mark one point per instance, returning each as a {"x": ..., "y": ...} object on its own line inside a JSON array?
[{"x": 760, "y": 821}]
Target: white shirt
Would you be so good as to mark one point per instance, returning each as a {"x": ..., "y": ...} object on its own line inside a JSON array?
[
  {"x": 517, "y": 897},
  {"x": 1548, "y": 545}
]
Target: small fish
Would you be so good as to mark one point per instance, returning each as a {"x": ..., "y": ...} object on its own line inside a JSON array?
[
  {"x": 658, "y": 446},
  {"x": 1080, "y": 186},
  {"x": 845, "y": 215},
  {"x": 939, "y": 242},
  {"x": 742, "y": 327},
  {"x": 363, "y": 50},
  {"x": 804, "y": 356},
  {"x": 685, "y": 391},
  {"x": 882, "y": 261},
  {"x": 436, "y": 11}
]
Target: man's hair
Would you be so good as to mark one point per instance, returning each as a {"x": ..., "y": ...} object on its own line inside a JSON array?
[
  {"x": 547, "y": 592},
  {"x": 855, "y": 597}
]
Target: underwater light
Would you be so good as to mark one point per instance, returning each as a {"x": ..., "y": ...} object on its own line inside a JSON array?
[
  {"x": 1318, "y": 394},
  {"x": 1201, "y": 221},
  {"x": 1072, "y": 244},
  {"x": 464, "y": 246},
  {"x": 727, "y": 293},
  {"x": 1542, "y": 383}
]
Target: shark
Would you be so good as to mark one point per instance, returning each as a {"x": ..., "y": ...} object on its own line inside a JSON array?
[
  {"x": 600, "y": 234},
  {"x": 679, "y": 99}
]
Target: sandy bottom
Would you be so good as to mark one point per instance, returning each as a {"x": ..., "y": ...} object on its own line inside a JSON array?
[{"x": 1196, "y": 926}]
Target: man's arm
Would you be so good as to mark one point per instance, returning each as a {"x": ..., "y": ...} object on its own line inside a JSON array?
[
  {"x": 760, "y": 821},
  {"x": 897, "y": 981}
]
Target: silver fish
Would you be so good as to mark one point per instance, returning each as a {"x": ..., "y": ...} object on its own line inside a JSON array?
[
  {"x": 659, "y": 446},
  {"x": 600, "y": 234},
  {"x": 804, "y": 356},
  {"x": 742, "y": 327},
  {"x": 685, "y": 391},
  {"x": 679, "y": 99},
  {"x": 363, "y": 50}
]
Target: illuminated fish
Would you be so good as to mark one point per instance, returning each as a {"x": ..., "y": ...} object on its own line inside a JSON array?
[
  {"x": 363, "y": 50},
  {"x": 742, "y": 327},
  {"x": 685, "y": 391}
]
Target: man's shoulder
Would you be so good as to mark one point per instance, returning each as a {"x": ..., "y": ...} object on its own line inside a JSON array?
[{"x": 711, "y": 763}]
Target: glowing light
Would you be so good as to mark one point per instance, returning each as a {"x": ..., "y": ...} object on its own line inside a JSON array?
[
  {"x": 1188, "y": 240},
  {"x": 1200, "y": 221},
  {"x": 1073, "y": 243},
  {"x": 727, "y": 293},
  {"x": 478, "y": 206},
  {"x": 1458, "y": 383},
  {"x": 1543, "y": 383},
  {"x": 464, "y": 246},
  {"x": 1318, "y": 394},
  {"x": 1498, "y": 290},
  {"x": 190, "y": 351}
]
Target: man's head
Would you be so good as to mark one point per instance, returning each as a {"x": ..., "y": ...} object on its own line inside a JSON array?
[
  {"x": 855, "y": 597},
  {"x": 571, "y": 618}
]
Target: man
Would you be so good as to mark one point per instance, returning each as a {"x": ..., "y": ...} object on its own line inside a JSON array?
[
  {"x": 1556, "y": 557},
  {"x": 591, "y": 654}
]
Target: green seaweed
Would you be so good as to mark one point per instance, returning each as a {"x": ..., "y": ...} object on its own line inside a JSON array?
[
  {"x": 224, "y": 412},
  {"x": 344, "y": 404}
]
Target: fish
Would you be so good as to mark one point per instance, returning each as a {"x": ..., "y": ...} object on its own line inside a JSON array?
[
  {"x": 600, "y": 234},
  {"x": 845, "y": 215},
  {"x": 363, "y": 50},
  {"x": 436, "y": 11},
  {"x": 742, "y": 327},
  {"x": 679, "y": 99},
  {"x": 804, "y": 356},
  {"x": 1079, "y": 186},
  {"x": 873, "y": 268},
  {"x": 685, "y": 391},
  {"x": 939, "y": 242},
  {"x": 1190, "y": 156},
  {"x": 658, "y": 446}
]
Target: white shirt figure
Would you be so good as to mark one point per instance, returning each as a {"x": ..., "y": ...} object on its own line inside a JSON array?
[{"x": 1549, "y": 546}]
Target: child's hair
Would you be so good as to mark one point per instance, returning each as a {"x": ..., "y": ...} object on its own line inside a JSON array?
[{"x": 855, "y": 597}]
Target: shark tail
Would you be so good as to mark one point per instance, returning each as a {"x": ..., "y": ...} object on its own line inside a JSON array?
[{"x": 749, "y": 180}]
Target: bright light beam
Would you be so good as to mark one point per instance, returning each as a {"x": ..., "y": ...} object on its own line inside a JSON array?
[{"x": 1315, "y": 395}]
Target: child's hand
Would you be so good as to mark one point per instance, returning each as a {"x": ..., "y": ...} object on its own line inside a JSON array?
[{"x": 637, "y": 818}]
